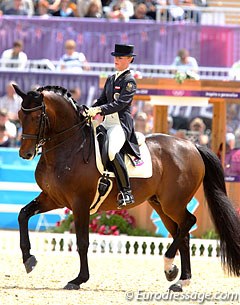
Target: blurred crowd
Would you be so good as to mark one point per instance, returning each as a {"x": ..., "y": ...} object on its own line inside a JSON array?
[
  {"x": 10, "y": 104},
  {"x": 10, "y": 129},
  {"x": 112, "y": 9}
]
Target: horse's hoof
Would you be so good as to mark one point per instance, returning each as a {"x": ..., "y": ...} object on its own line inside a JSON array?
[
  {"x": 172, "y": 273},
  {"x": 176, "y": 287},
  {"x": 71, "y": 286},
  {"x": 30, "y": 263}
]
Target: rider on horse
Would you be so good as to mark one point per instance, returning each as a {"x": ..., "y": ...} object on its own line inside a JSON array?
[{"x": 114, "y": 104}]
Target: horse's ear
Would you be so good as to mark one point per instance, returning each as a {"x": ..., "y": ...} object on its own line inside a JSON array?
[{"x": 19, "y": 91}]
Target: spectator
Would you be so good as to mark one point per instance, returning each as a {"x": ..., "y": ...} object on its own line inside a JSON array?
[
  {"x": 140, "y": 123},
  {"x": 234, "y": 72},
  {"x": 4, "y": 5},
  {"x": 198, "y": 127},
  {"x": 10, "y": 128},
  {"x": 94, "y": 10},
  {"x": 50, "y": 5},
  {"x": 115, "y": 13},
  {"x": 140, "y": 12},
  {"x": 11, "y": 102},
  {"x": 64, "y": 10},
  {"x": 230, "y": 141},
  {"x": 4, "y": 139},
  {"x": 73, "y": 6},
  {"x": 237, "y": 138},
  {"x": 126, "y": 8},
  {"x": 83, "y": 5},
  {"x": 15, "y": 57},
  {"x": 232, "y": 157},
  {"x": 16, "y": 9},
  {"x": 232, "y": 117},
  {"x": 151, "y": 7},
  {"x": 28, "y": 6},
  {"x": 42, "y": 11},
  {"x": 186, "y": 64},
  {"x": 73, "y": 61},
  {"x": 76, "y": 94}
]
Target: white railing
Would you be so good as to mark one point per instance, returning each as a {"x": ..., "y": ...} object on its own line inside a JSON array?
[
  {"x": 104, "y": 69},
  {"x": 211, "y": 15},
  {"x": 105, "y": 244}
]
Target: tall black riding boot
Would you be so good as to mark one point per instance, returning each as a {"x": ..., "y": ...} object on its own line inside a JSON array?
[{"x": 125, "y": 196}]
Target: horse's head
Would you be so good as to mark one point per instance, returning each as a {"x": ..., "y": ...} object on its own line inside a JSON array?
[
  {"x": 33, "y": 120},
  {"x": 49, "y": 105}
]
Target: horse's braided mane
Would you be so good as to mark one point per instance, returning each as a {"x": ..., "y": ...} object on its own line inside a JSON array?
[{"x": 59, "y": 90}]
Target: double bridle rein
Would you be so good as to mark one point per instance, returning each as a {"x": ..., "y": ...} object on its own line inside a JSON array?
[{"x": 44, "y": 124}]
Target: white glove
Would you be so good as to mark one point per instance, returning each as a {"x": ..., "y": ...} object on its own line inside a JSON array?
[{"x": 92, "y": 111}]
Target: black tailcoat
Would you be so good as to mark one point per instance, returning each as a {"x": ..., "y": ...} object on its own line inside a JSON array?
[{"x": 117, "y": 96}]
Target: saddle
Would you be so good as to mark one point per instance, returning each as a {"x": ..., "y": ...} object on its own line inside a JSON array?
[{"x": 136, "y": 168}]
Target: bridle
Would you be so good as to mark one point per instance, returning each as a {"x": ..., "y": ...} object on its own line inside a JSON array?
[
  {"x": 44, "y": 125},
  {"x": 40, "y": 137}
]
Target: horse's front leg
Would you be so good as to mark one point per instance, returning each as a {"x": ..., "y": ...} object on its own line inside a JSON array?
[
  {"x": 38, "y": 205},
  {"x": 81, "y": 221},
  {"x": 25, "y": 214}
]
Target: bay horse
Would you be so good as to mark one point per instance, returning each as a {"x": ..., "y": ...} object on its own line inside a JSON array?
[{"x": 68, "y": 176}]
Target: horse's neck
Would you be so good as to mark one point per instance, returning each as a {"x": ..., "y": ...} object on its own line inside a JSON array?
[{"x": 62, "y": 116}]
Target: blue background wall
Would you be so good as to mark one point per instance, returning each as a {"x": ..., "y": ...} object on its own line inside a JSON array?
[{"x": 18, "y": 187}]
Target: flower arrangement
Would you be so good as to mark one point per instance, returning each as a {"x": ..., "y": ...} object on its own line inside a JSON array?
[
  {"x": 113, "y": 222},
  {"x": 180, "y": 76}
]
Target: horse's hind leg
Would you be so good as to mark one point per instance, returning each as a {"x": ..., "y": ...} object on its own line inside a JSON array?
[
  {"x": 34, "y": 207},
  {"x": 186, "y": 275},
  {"x": 181, "y": 242}
]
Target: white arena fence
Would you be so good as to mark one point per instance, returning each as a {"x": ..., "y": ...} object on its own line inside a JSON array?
[
  {"x": 105, "y": 244},
  {"x": 47, "y": 67}
]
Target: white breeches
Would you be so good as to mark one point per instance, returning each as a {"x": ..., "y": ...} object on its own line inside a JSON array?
[
  {"x": 115, "y": 134},
  {"x": 116, "y": 138}
]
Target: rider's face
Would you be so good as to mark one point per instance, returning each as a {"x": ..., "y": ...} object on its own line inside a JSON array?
[{"x": 122, "y": 62}]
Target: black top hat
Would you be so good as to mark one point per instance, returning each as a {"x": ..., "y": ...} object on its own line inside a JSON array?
[{"x": 123, "y": 50}]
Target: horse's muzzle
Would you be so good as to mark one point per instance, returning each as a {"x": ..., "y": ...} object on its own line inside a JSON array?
[{"x": 28, "y": 155}]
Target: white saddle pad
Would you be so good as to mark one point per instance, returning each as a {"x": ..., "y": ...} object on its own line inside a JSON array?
[{"x": 142, "y": 170}]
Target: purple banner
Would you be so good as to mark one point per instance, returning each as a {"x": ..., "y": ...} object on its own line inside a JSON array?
[
  {"x": 180, "y": 93},
  {"x": 155, "y": 43}
]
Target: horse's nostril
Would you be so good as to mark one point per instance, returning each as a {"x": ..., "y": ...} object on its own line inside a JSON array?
[{"x": 29, "y": 156}]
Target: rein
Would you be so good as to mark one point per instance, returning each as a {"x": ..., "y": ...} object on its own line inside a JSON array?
[
  {"x": 80, "y": 124},
  {"x": 41, "y": 139}
]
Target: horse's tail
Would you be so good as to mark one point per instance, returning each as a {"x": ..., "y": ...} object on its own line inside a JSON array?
[{"x": 225, "y": 218}]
